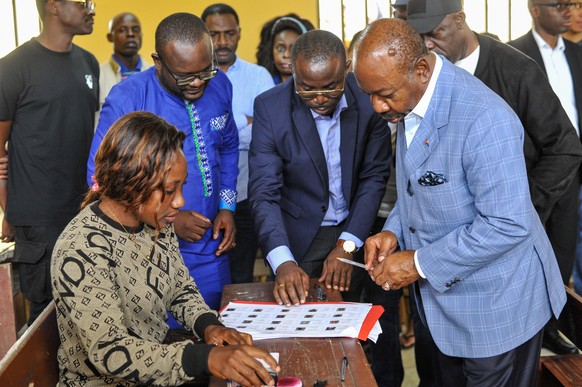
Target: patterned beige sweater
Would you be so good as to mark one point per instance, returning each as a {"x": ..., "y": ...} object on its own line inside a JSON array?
[{"x": 112, "y": 294}]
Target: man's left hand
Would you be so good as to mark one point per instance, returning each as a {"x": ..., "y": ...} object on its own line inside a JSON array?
[
  {"x": 219, "y": 335},
  {"x": 395, "y": 271},
  {"x": 224, "y": 221},
  {"x": 335, "y": 273}
]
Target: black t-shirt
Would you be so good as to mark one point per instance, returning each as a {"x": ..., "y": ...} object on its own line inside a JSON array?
[{"x": 51, "y": 99}]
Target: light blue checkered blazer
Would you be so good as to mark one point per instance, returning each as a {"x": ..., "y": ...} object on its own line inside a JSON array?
[{"x": 492, "y": 277}]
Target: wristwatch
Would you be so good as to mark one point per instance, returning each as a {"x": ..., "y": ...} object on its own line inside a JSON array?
[{"x": 348, "y": 246}]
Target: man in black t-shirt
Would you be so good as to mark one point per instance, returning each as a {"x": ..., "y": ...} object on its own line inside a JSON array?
[{"x": 49, "y": 91}]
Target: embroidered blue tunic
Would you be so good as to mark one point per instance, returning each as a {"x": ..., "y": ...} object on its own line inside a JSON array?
[{"x": 211, "y": 149}]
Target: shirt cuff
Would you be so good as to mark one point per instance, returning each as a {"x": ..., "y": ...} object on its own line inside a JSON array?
[
  {"x": 346, "y": 236},
  {"x": 417, "y": 265},
  {"x": 195, "y": 359},
  {"x": 224, "y": 206},
  {"x": 227, "y": 200},
  {"x": 278, "y": 256}
]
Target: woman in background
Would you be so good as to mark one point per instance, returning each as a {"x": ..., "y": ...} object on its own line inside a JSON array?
[
  {"x": 277, "y": 38},
  {"x": 117, "y": 268}
]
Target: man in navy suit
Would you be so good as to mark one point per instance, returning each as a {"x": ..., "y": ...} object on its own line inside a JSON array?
[
  {"x": 319, "y": 161},
  {"x": 463, "y": 230},
  {"x": 562, "y": 62}
]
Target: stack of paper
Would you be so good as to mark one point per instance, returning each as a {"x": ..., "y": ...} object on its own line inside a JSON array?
[{"x": 268, "y": 320}]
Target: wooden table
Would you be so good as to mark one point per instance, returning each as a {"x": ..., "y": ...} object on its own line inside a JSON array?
[{"x": 309, "y": 359}]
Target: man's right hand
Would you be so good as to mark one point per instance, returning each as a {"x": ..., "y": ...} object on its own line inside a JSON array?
[
  {"x": 239, "y": 363},
  {"x": 291, "y": 284},
  {"x": 191, "y": 225}
]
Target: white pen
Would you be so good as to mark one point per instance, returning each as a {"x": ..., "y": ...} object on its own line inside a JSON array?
[{"x": 350, "y": 262}]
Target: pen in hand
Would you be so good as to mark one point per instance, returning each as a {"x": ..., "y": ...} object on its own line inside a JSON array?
[{"x": 344, "y": 367}]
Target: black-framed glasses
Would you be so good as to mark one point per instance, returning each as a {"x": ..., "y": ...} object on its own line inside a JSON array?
[
  {"x": 559, "y": 6},
  {"x": 185, "y": 80},
  {"x": 88, "y": 5}
]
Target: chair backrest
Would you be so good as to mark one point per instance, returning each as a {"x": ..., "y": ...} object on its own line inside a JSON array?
[
  {"x": 32, "y": 360},
  {"x": 574, "y": 306}
]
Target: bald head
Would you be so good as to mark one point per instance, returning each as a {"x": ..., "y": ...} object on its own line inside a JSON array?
[
  {"x": 393, "y": 38},
  {"x": 393, "y": 66}
]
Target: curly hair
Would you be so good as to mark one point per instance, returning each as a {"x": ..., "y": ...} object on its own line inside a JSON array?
[
  {"x": 270, "y": 29},
  {"x": 134, "y": 159}
]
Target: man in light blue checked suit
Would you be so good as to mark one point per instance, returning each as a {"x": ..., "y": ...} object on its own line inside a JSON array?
[{"x": 464, "y": 227}]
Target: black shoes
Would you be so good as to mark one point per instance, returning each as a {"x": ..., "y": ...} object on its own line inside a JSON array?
[{"x": 555, "y": 343}]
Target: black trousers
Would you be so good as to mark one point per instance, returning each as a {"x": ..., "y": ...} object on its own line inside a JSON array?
[
  {"x": 242, "y": 257},
  {"x": 312, "y": 261},
  {"x": 32, "y": 252},
  {"x": 562, "y": 229},
  {"x": 516, "y": 368}
]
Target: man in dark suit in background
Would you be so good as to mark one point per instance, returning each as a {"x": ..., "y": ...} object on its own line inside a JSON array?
[
  {"x": 319, "y": 160},
  {"x": 562, "y": 62}
]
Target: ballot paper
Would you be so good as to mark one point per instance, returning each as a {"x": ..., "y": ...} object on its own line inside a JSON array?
[{"x": 268, "y": 320}]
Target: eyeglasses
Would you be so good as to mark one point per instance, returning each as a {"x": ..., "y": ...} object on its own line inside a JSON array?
[
  {"x": 311, "y": 94},
  {"x": 559, "y": 6},
  {"x": 308, "y": 95},
  {"x": 185, "y": 80},
  {"x": 87, "y": 4}
]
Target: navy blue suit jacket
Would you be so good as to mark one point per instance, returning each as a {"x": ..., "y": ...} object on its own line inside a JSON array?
[{"x": 288, "y": 178}]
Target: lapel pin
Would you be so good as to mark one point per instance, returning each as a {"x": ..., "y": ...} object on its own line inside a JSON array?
[{"x": 426, "y": 142}]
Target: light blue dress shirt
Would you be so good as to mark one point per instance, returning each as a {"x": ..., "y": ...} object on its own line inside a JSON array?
[
  {"x": 248, "y": 81},
  {"x": 329, "y": 130}
]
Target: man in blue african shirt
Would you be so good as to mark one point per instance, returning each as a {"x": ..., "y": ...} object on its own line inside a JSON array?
[{"x": 185, "y": 89}]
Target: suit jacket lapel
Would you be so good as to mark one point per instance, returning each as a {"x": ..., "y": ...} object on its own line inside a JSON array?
[
  {"x": 427, "y": 138},
  {"x": 305, "y": 125},
  {"x": 349, "y": 139},
  {"x": 575, "y": 70},
  {"x": 533, "y": 51}
]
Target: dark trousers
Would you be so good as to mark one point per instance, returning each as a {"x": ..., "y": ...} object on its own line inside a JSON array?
[
  {"x": 242, "y": 257},
  {"x": 33, "y": 249},
  {"x": 562, "y": 229},
  {"x": 516, "y": 368},
  {"x": 386, "y": 355},
  {"x": 312, "y": 261},
  {"x": 425, "y": 349}
]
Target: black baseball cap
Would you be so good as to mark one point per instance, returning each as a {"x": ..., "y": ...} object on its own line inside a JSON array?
[{"x": 425, "y": 15}]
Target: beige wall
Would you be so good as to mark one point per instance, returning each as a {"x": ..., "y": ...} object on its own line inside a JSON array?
[{"x": 252, "y": 14}]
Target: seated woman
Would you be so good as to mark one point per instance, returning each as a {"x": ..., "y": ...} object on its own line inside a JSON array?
[
  {"x": 277, "y": 38},
  {"x": 117, "y": 268}
]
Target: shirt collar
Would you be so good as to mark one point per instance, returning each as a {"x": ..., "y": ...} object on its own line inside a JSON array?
[
  {"x": 422, "y": 105},
  {"x": 234, "y": 66},
  {"x": 469, "y": 63},
  {"x": 543, "y": 44}
]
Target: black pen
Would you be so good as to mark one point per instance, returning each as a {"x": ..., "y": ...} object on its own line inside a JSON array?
[{"x": 344, "y": 366}]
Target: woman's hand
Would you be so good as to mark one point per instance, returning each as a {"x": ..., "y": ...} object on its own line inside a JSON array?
[
  {"x": 220, "y": 335},
  {"x": 239, "y": 363}
]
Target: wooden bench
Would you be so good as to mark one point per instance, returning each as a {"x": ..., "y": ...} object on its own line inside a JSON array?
[
  {"x": 32, "y": 360},
  {"x": 566, "y": 370}
]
